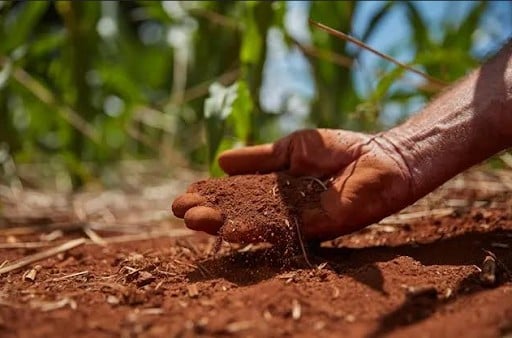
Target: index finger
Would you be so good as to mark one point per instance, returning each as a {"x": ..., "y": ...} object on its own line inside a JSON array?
[{"x": 261, "y": 159}]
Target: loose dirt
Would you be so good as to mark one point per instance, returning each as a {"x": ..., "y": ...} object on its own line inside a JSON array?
[
  {"x": 411, "y": 275},
  {"x": 261, "y": 207}
]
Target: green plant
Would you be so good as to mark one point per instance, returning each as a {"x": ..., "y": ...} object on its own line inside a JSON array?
[{"x": 87, "y": 84}]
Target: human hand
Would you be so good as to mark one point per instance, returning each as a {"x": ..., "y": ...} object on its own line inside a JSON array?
[{"x": 369, "y": 180}]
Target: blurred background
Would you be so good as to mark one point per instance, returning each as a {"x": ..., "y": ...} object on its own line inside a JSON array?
[{"x": 92, "y": 92}]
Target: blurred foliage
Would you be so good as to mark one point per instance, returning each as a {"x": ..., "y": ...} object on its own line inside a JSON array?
[{"x": 84, "y": 84}]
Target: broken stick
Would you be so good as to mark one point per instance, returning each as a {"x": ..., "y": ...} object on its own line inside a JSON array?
[
  {"x": 20, "y": 263},
  {"x": 488, "y": 273}
]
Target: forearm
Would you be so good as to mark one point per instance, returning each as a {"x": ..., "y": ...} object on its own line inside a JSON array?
[{"x": 462, "y": 127}]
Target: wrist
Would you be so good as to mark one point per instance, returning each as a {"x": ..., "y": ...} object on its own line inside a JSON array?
[
  {"x": 463, "y": 126},
  {"x": 437, "y": 146},
  {"x": 503, "y": 124}
]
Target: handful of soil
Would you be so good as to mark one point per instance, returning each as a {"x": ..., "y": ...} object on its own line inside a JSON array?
[{"x": 260, "y": 208}]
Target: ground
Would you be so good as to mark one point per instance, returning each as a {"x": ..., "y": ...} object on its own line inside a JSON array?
[{"x": 418, "y": 273}]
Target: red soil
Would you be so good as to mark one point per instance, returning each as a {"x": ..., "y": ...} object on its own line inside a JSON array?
[
  {"x": 260, "y": 207},
  {"x": 416, "y": 278}
]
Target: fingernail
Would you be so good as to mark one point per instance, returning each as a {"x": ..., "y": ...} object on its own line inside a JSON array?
[
  {"x": 204, "y": 219},
  {"x": 185, "y": 202}
]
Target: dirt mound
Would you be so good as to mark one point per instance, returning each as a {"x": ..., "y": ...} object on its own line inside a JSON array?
[{"x": 261, "y": 207}]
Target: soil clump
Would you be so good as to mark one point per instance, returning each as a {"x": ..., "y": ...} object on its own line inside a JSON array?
[{"x": 261, "y": 208}]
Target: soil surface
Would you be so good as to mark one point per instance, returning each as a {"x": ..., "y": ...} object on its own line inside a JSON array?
[{"x": 418, "y": 274}]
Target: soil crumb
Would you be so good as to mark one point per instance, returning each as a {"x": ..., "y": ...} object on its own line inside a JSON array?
[{"x": 261, "y": 208}]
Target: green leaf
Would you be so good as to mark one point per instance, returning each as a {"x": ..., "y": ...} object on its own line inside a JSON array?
[
  {"x": 217, "y": 108},
  {"x": 376, "y": 19},
  {"x": 214, "y": 168},
  {"x": 5, "y": 73},
  {"x": 116, "y": 80},
  {"x": 242, "y": 107},
  {"x": 251, "y": 40},
  {"x": 154, "y": 10},
  {"x": 214, "y": 134},
  {"x": 23, "y": 25},
  {"x": 419, "y": 28},
  {"x": 226, "y": 110},
  {"x": 447, "y": 64},
  {"x": 385, "y": 83},
  {"x": 470, "y": 23},
  {"x": 46, "y": 44},
  {"x": 461, "y": 37},
  {"x": 279, "y": 11},
  {"x": 401, "y": 96}
]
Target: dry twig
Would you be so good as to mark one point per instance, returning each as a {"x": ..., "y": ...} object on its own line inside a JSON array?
[
  {"x": 24, "y": 245},
  {"x": 361, "y": 44},
  {"x": 30, "y": 275},
  {"x": 144, "y": 236},
  {"x": 236, "y": 327},
  {"x": 4, "y": 302},
  {"x": 296, "y": 310},
  {"x": 76, "y": 274},
  {"x": 94, "y": 237},
  {"x": 47, "y": 97},
  {"x": 193, "y": 292},
  {"x": 488, "y": 273},
  {"x": 42, "y": 255},
  {"x": 340, "y": 60},
  {"x": 27, "y": 230},
  {"x": 400, "y": 218},
  {"x": 507, "y": 159},
  {"x": 50, "y": 306},
  {"x": 322, "y": 184},
  {"x": 302, "y": 247}
]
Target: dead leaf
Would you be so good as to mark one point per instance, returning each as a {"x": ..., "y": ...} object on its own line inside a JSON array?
[
  {"x": 192, "y": 291},
  {"x": 239, "y": 326},
  {"x": 113, "y": 300},
  {"x": 488, "y": 273},
  {"x": 50, "y": 306},
  {"x": 30, "y": 275},
  {"x": 296, "y": 310},
  {"x": 321, "y": 266}
]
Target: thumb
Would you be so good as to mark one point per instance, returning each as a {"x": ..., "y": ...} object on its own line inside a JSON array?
[
  {"x": 362, "y": 194},
  {"x": 353, "y": 201},
  {"x": 333, "y": 218}
]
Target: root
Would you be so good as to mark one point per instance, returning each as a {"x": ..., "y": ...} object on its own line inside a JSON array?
[
  {"x": 274, "y": 189},
  {"x": 302, "y": 247},
  {"x": 217, "y": 245},
  {"x": 322, "y": 184}
]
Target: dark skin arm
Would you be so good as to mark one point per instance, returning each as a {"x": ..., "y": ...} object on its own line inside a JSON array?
[{"x": 378, "y": 175}]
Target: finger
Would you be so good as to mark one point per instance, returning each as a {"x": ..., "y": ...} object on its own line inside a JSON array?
[
  {"x": 358, "y": 197},
  {"x": 261, "y": 159},
  {"x": 335, "y": 217},
  {"x": 248, "y": 232},
  {"x": 317, "y": 225},
  {"x": 236, "y": 233},
  {"x": 204, "y": 219},
  {"x": 185, "y": 202}
]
